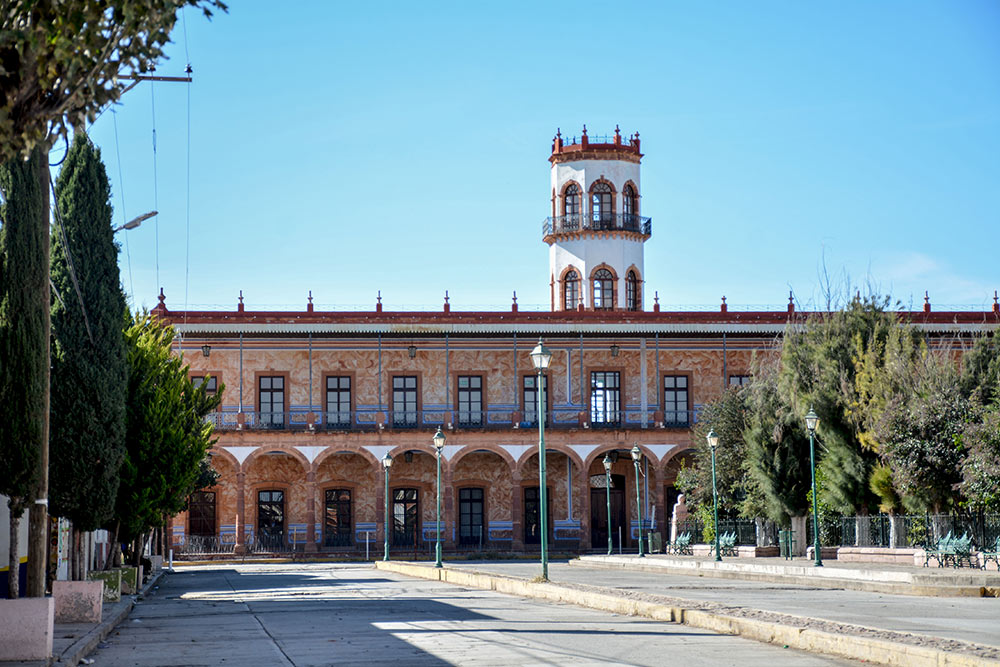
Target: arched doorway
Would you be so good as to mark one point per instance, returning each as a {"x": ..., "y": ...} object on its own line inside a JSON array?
[{"x": 482, "y": 486}]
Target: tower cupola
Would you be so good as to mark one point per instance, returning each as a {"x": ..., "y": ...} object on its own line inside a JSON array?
[{"x": 596, "y": 233}]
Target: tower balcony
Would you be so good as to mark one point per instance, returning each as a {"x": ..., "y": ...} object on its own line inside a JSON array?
[{"x": 606, "y": 222}]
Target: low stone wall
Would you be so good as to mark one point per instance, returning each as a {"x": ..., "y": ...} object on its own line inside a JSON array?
[
  {"x": 78, "y": 601},
  {"x": 705, "y": 550},
  {"x": 26, "y": 628},
  {"x": 880, "y": 555},
  {"x": 826, "y": 553}
]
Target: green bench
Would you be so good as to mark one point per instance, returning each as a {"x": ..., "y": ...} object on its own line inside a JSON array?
[
  {"x": 727, "y": 544},
  {"x": 682, "y": 545},
  {"x": 950, "y": 550},
  {"x": 993, "y": 555}
]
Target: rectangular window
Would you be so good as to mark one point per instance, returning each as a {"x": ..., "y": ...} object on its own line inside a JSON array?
[
  {"x": 675, "y": 401},
  {"x": 271, "y": 520},
  {"x": 605, "y": 398},
  {"x": 338, "y": 402},
  {"x": 529, "y": 398},
  {"x": 470, "y": 513},
  {"x": 201, "y": 514},
  {"x": 211, "y": 388},
  {"x": 405, "y": 513},
  {"x": 470, "y": 400},
  {"x": 739, "y": 380},
  {"x": 404, "y": 401},
  {"x": 337, "y": 529},
  {"x": 271, "y": 399}
]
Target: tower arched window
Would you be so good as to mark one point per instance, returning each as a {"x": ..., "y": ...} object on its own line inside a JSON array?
[
  {"x": 571, "y": 290},
  {"x": 604, "y": 290},
  {"x": 571, "y": 203},
  {"x": 600, "y": 205},
  {"x": 631, "y": 291},
  {"x": 629, "y": 207}
]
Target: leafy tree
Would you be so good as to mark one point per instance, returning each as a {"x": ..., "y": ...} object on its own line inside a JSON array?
[
  {"x": 777, "y": 448},
  {"x": 981, "y": 370},
  {"x": 62, "y": 61},
  {"x": 737, "y": 490},
  {"x": 89, "y": 372},
  {"x": 167, "y": 436},
  {"x": 818, "y": 369},
  {"x": 920, "y": 435},
  {"x": 24, "y": 337},
  {"x": 981, "y": 467}
]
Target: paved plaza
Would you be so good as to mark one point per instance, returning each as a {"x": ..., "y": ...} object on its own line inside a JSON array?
[{"x": 322, "y": 614}]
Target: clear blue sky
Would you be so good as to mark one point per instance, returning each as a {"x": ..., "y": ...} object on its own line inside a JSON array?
[{"x": 353, "y": 147}]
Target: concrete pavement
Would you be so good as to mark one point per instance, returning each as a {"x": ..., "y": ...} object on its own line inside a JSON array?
[
  {"x": 321, "y": 614},
  {"x": 871, "y": 626}
]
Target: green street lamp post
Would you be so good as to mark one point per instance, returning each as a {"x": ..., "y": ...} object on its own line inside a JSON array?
[
  {"x": 541, "y": 357},
  {"x": 439, "y": 446},
  {"x": 713, "y": 442},
  {"x": 386, "y": 464},
  {"x": 812, "y": 421},
  {"x": 636, "y": 456},
  {"x": 607, "y": 489}
]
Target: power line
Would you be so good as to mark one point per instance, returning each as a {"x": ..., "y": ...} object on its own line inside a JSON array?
[{"x": 121, "y": 191}]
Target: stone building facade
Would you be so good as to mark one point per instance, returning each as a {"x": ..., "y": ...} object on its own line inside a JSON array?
[{"x": 313, "y": 401}]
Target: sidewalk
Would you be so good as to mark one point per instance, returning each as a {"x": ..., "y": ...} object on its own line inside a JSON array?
[
  {"x": 72, "y": 642},
  {"x": 785, "y": 607}
]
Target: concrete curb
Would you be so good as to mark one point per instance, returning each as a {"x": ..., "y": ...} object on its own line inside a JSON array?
[
  {"x": 879, "y": 651},
  {"x": 85, "y": 645},
  {"x": 872, "y": 581}
]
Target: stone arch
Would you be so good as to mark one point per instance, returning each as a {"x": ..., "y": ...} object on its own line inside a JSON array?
[
  {"x": 561, "y": 205},
  {"x": 225, "y": 455},
  {"x": 562, "y": 286},
  {"x": 549, "y": 449},
  {"x": 635, "y": 189},
  {"x": 264, "y": 450},
  {"x": 471, "y": 449},
  {"x": 480, "y": 468},
  {"x": 614, "y": 284},
  {"x": 600, "y": 180},
  {"x": 347, "y": 448},
  {"x": 638, "y": 285}
]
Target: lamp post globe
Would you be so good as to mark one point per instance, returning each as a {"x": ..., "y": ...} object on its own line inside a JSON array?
[
  {"x": 636, "y": 457},
  {"x": 438, "y": 446},
  {"x": 713, "y": 442},
  {"x": 386, "y": 464},
  {"x": 812, "y": 422},
  {"x": 607, "y": 490},
  {"x": 541, "y": 357}
]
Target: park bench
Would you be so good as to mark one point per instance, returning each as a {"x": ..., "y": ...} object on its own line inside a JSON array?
[
  {"x": 950, "y": 550},
  {"x": 727, "y": 544},
  {"x": 682, "y": 545},
  {"x": 994, "y": 555}
]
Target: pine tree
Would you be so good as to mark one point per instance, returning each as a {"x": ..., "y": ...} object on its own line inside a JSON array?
[
  {"x": 89, "y": 372},
  {"x": 24, "y": 336}
]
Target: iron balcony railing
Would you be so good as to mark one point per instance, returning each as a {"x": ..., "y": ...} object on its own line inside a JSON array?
[
  {"x": 372, "y": 419},
  {"x": 598, "y": 222}
]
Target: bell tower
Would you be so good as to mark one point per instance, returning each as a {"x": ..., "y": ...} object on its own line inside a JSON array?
[{"x": 595, "y": 232}]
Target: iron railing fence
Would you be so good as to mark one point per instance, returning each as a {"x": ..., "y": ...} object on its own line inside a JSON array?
[
  {"x": 597, "y": 222},
  {"x": 905, "y": 530},
  {"x": 207, "y": 544},
  {"x": 372, "y": 419}
]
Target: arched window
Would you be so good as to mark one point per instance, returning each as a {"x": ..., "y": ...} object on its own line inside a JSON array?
[
  {"x": 600, "y": 205},
  {"x": 571, "y": 291},
  {"x": 571, "y": 201},
  {"x": 631, "y": 291},
  {"x": 629, "y": 207},
  {"x": 604, "y": 290}
]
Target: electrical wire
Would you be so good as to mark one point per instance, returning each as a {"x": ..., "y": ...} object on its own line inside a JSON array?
[
  {"x": 156, "y": 198},
  {"x": 69, "y": 259},
  {"x": 121, "y": 191}
]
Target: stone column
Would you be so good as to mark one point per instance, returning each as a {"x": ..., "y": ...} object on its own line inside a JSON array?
[
  {"x": 657, "y": 500},
  {"x": 448, "y": 515},
  {"x": 380, "y": 517},
  {"x": 583, "y": 506},
  {"x": 240, "y": 511},
  {"x": 311, "y": 511},
  {"x": 516, "y": 511}
]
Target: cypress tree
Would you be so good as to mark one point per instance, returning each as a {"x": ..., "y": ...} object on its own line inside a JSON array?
[
  {"x": 24, "y": 335},
  {"x": 89, "y": 368}
]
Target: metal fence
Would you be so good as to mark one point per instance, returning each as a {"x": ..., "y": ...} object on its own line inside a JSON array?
[{"x": 906, "y": 530}]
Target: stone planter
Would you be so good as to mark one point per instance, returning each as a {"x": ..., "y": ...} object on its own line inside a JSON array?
[
  {"x": 78, "y": 601},
  {"x": 26, "y": 628},
  {"x": 131, "y": 580},
  {"x": 112, "y": 583}
]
